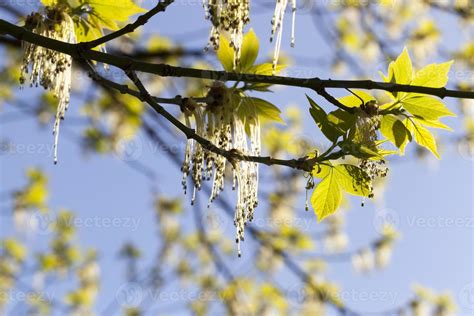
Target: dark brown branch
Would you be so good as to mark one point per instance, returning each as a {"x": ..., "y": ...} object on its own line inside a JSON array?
[
  {"x": 136, "y": 54},
  {"x": 161, "y": 53},
  {"x": 164, "y": 70}
]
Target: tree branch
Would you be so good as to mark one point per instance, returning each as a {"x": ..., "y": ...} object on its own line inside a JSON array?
[
  {"x": 231, "y": 155},
  {"x": 164, "y": 70}
]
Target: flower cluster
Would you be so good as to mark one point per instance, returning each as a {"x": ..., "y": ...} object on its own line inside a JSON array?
[
  {"x": 48, "y": 68},
  {"x": 366, "y": 126},
  {"x": 218, "y": 121},
  {"x": 277, "y": 27},
  {"x": 230, "y": 16}
]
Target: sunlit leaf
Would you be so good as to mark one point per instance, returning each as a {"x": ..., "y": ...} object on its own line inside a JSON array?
[
  {"x": 329, "y": 129},
  {"x": 262, "y": 108},
  {"x": 433, "y": 75},
  {"x": 423, "y": 137},
  {"x": 353, "y": 179},
  {"x": 426, "y": 107},
  {"x": 250, "y": 47},
  {"x": 326, "y": 197},
  {"x": 432, "y": 124},
  {"x": 353, "y": 101},
  {"x": 109, "y": 12},
  {"x": 225, "y": 54},
  {"x": 395, "y": 131}
]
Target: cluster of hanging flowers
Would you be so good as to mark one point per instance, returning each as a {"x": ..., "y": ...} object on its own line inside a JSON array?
[
  {"x": 50, "y": 69},
  {"x": 232, "y": 15},
  {"x": 219, "y": 122},
  {"x": 366, "y": 126},
  {"x": 277, "y": 27}
]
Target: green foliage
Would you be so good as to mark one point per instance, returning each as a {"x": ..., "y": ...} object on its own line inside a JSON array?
[
  {"x": 251, "y": 107},
  {"x": 35, "y": 194},
  {"x": 14, "y": 249},
  {"x": 423, "y": 137},
  {"x": 413, "y": 112},
  {"x": 327, "y": 196},
  {"x": 248, "y": 108},
  {"x": 394, "y": 129},
  {"x": 91, "y": 17},
  {"x": 328, "y": 127},
  {"x": 335, "y": 179},
  {"x": 250, "y": 48},
  {"x": 353, "y": 101}
]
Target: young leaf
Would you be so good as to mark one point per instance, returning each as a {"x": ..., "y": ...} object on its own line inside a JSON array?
[
  {"x": 250, "y": 47},
  {"x": 262, "y": 108},
  {"x": 265, "y": 69},
  {"x": 423, "y": 137},
  {"x": 225, "y": 54},
  {"x": 395, "y": 131},
  {"x": 426, "y": 107},
  {"x": 433, "y": 124},
  {"x": 109, "y": 12},
  {"x": 321, "y": 170},
  {"x": 326, "y": 197},
  {"x": 342, "y": 120},
  {"x": 85, "y": 31},
  {"x": 353, "y": 179},
  {"x": 433, "y": 75},
  {"x": 49, "y": 3},
  {"x": 329, "y": 129},
  {"x": 402, "y": 68},
  {"x": 399, "y": 71},
  {"x": 352, "y": 101}
]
